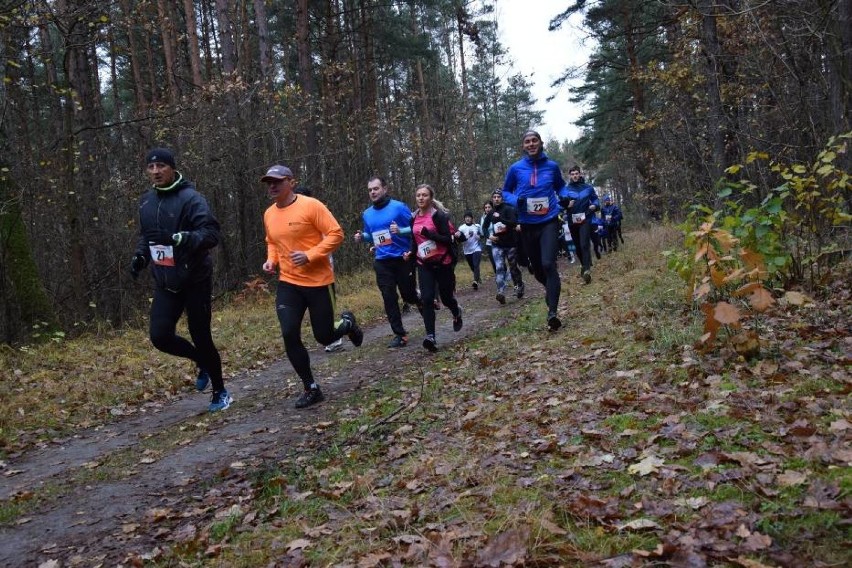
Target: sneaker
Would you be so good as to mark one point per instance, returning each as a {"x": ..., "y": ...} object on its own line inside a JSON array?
[
  {"x": 519, "y": 291},
  {"x": 355, "y": 334},
  {"x": 553, "y": 322},
  {"x": 573, "y": 260},
  {"x": 220, "y": 401},
  {"x": 430, "y": 344},
  {"x": 501, "y": 298},
  {"x": 335, "y": 347},
  {"x": 202, "y": 380},
  {"x": 457, "y": 321},
  {"x": 310, "y": 397},
  {"x": 398, "y": 341},
  {"x": 406, "y": 307},
  {"x": 475, "y": 285},
  {"x": 587, "y": 276}
]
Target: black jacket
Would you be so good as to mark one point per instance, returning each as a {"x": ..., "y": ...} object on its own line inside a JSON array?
[
  {"x": 508, "y": 216},
  {"x": 180, "y": 209}
]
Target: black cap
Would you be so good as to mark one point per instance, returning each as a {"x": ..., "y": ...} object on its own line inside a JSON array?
[{"x": 162, "y": 155}]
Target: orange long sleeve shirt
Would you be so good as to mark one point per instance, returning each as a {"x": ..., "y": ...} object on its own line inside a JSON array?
[{"x": 305, "y": 225}]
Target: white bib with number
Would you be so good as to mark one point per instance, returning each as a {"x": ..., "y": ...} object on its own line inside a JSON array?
[
  {"x": 608, "y": 218},
  {"x": 578, "y": 218},
  {"x": 382, "y": 238},
  {"x": 426, "y": 249},
  {"x": 499, "y": 228},
  {"x": 163, "y": 255},
  {"x": 537, "y": 205}
]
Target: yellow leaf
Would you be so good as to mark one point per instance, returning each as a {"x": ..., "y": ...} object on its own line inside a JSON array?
[
  {"x": 733, "y": 169},
  {"x": 761, "y": 299},
  {"x": 726, "y": 314},
  {"x": 799, "y": 169},
  {"x": 743, "y": 290},
  {"x": 649, "y": 465}
]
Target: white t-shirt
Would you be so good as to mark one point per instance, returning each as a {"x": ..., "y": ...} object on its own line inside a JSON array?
[{"x": 472, "y": 232}]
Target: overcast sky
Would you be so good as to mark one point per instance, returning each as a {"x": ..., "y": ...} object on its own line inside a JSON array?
[{"x": 542, "y": 56}]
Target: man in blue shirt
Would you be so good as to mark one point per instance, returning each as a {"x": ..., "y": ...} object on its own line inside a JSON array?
[
  {"x": 532, "y": 186},
  {"x": 387, "y": 228},
  {"x": 580, "y": 202}
]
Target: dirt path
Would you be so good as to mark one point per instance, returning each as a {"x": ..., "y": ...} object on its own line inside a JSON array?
[{"x": 98, "y": 490}]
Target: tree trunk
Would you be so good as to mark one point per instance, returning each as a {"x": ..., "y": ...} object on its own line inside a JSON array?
[
  {"x": 192, "y": 43},
  {"x": 226, "y": 39},
  {"x": 135, "y": 58},
  {"x": 263, "y": 47},
  {"x": 306, "y": 81},
  {"x": 169, "y": 50}
]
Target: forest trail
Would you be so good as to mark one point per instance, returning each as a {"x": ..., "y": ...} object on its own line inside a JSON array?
[{"x": 103, "y": 484}]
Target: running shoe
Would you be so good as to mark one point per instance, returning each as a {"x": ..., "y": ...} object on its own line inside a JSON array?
[
  {"x": 202, "y": 380},
  {"x": 335, "y": 347},
  {"x": 309, "y": 398},
  {"x": 587, "y": 276},
  {"x": 553, "y": 322},
  {"x": 501, "y": 298},
  {"x": 519, "y": 291},
  {"x": 475, "y": 285},
  {"x": 220, "y": 401},
  {"x": 355, "y": 334},
  {"x": 398, "y": 341},
  {"x": 457, "y": 321},
  {"x": 430, "y": 344}
]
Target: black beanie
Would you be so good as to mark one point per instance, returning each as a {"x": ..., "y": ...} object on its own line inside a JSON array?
[{"x": 162, "y": 155}]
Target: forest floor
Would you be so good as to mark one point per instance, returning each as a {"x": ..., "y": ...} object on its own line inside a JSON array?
[{"x": 612, "y": 442}]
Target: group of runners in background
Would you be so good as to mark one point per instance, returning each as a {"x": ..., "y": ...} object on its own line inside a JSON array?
[{"x": 530, "y": 221}]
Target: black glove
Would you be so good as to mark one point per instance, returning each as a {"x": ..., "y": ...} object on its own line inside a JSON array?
[
  {"x": 522, "y": 204},
  {"x": 564, "y": 201},
  {"x": 137, "y": 263}
]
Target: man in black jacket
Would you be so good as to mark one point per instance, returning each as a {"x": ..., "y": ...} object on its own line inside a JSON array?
[
  {"x": 176, "y": 232},
  {"x": 504, "y": 218}
]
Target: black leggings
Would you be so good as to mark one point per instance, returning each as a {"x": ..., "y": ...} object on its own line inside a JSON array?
[
  {"x": 541, "y": 242},
  {"x": 582, "y": 236},
  {"x": 393, "y": 273},
  {"x": 291, "y": 302},
  {"x": 473, "y": 261},
  {"x": 434, "y": 278},
  {"x": 166, "y": 310}
]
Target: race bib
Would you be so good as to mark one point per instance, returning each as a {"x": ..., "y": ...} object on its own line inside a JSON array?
[
  {"x": 537, "y": 205},
  {"x": 426, "y": 249},
  {"x": 163, "y": 255},
  {"x": 382, "y": 238},
  {"x": 499, "y": 228},
  {"x": 608, "y": 218},
  {"x": 578, "y": 218}
]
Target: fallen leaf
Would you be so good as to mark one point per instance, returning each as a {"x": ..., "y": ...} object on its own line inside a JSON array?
[
  {"x": 726, "y": 313},
  {"x": 797, "y": 298},
  {"x": 650, "y": 464},
  {"x": 299, "y": 543},
  {"x": 638, "y": 525},
  {"x": 49, "y": 564},
  {"x": 791, "y": 478},
  {"x": 509, "y": 547}
]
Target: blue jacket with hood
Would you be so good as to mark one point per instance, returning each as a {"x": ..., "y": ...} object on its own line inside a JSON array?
[
  {"x": 583, "y": 195},
  {"x": 532, "y": 186}
]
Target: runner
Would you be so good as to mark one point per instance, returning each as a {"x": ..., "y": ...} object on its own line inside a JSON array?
[
  {"x": 434, "y": 250},
  {"x": 470, "y": 233},
  {"x": 612, "y": 219},
  {"x": 566, "y": 236},
  {"x": 176, "y": 232},
  {"x": 387, "y": 228},
  {"x": 580, "y": 201},
  {"x": 532, "y": 185},
  {"x": 301, "y": 234},
  {"x": 598, "y": 235},
  {"x": 486, "y": 209},
  {"x": 500, "y": 224}
]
